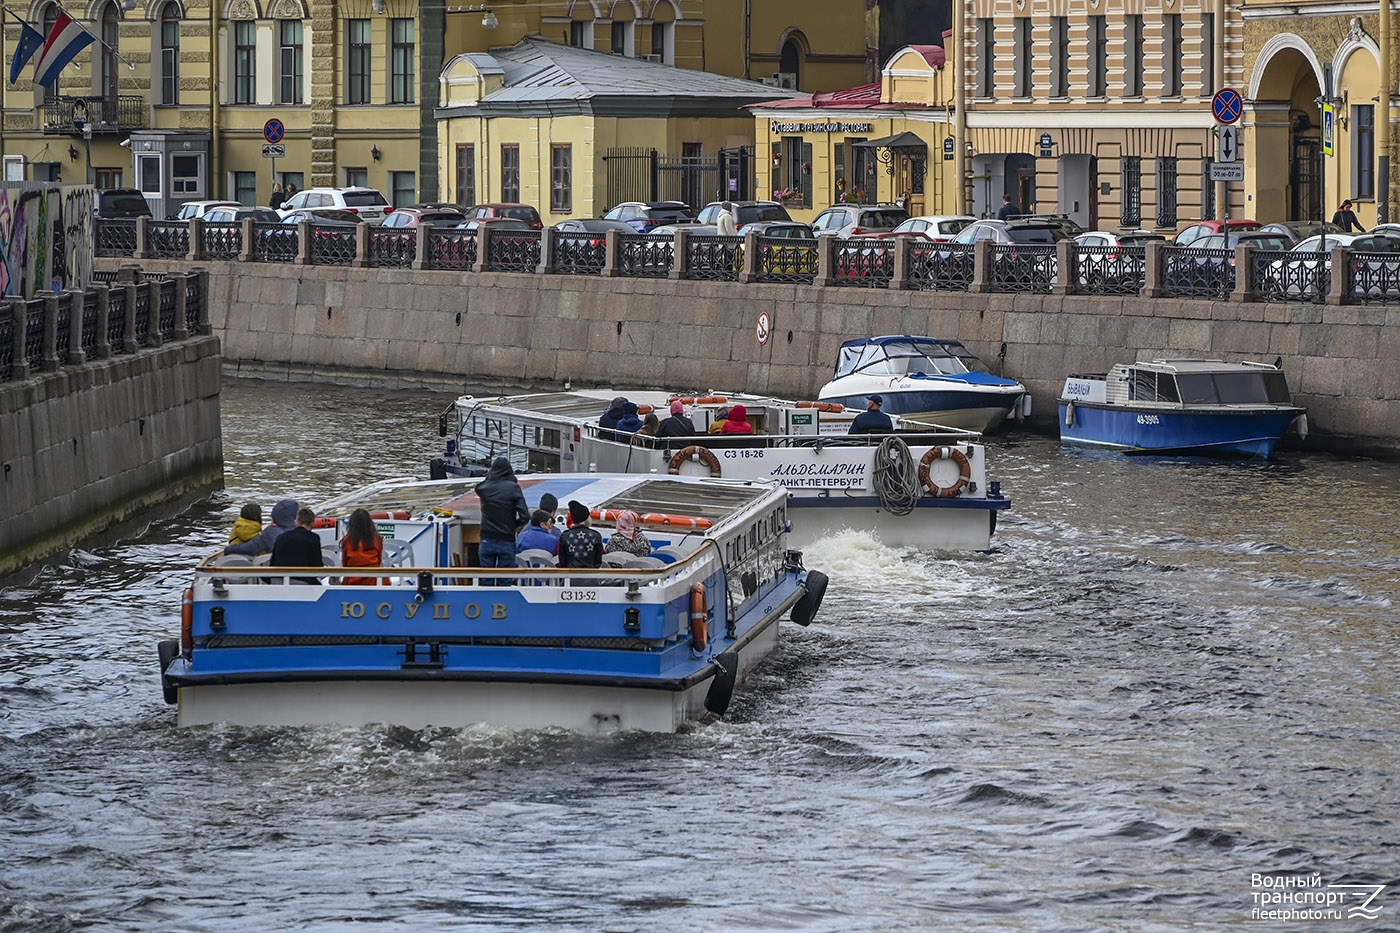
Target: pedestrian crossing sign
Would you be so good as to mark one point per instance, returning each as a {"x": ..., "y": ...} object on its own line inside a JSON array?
[{"x": 1328, "y": 121}]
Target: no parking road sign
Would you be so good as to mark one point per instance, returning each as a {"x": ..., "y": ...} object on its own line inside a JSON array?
[
  {"x": 273, "y": 131},
  {"x": 1227, "y": 105}
]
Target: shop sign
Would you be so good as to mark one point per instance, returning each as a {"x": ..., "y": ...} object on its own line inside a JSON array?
[{"x": 778, "y": 126}]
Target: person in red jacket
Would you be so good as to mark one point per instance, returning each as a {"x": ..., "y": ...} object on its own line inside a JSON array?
[
  {"x": 737, "y": 422},
  {"x": 361, "y": 547}
]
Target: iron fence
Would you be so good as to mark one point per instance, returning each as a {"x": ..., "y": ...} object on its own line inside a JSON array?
[
  {"x": 1374, "y": 277},
  {"x": 7, "y": 343},
  {"x": 194, "y": 301},
  {"x": 116, "y": 318},
  {"x": 642, "y": 174},
  {"x": 1110, "y": 270},
  {"x": 168, "y": 239},
  {"x": 165, "y": 308},
  {"x": 1198, "y": 273},
  {"x": 1020, "y": 268},
  {"x": 333, "y": 246},
  {"x": 715, "y": 258},
  {"x": 34, "y": 332},
  {"x": 114, "y": 237},
  {"x": 222, "y": 240},
  {"x": 513, "y": 252},
  {"x": 451, "y": 249},
  {"x": 864, "y": 262},
  {"x": 940, "y": 267},
  {"x": 63, "y": 332},
  {"x": 141, "y": 319},
  {"x": 89, "y": 338},
  {"x": 396, "y": 248},
  {"x": 780, "y": 259},
  {"x": 274, "y": 242},
  {"x": 1283, "y": 275},
  {"x": 113, "y": 114},
  {"x": 642, "y": 256},
  {"x": 578, "y": 253}
]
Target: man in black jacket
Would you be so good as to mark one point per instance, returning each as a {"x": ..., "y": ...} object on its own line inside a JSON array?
[
  {"x": 299, "y": 546},
  {"x": 503, "y": 514},
  {"x": 678, "y": 425},
  {"x": 611, "y": 417},
  {"x": 580, "y": 546}
]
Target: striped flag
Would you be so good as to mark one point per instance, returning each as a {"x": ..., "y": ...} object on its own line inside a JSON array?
[
  {"x": 66, "y": 39},
  {"x": 30, "y": 39}
]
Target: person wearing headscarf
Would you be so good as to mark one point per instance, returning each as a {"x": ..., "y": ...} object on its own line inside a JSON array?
[
  {"x": 580, "y": 546},
  {"x": 737, "y": 422},
  {"x": 678, "y": 425},
  {"x": 628, "y": 537},
  {"x": 717, "y": 425}
]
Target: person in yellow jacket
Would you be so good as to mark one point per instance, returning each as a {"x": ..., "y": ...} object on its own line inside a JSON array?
[{"x": 249, "y": 524}]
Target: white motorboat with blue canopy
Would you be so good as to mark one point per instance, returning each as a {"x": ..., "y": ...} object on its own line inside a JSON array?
[
  {"x": 924, "y": 379},
  {"x": 644, "y": 642},
  {"x": 927, "y": 489}
]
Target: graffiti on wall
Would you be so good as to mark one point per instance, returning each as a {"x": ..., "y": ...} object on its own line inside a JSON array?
[{"x": 45, "y": 237}]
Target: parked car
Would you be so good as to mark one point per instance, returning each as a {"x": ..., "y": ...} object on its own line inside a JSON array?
[
  {"x": 495, "y": 223},
  {"x": 642, "y": 216},
  {"x": 1306, "y": 270},
  {"x": 412, "y": 217},
  {"x": 366, "y": 203},
  {"x": 233, "y": 215},
  {"x": 121, "y": 202},
  {"x": 1299, "y": 230},
  {"x": 506, "y": 211},
  {"x": 1065, "y": 222},
  {"x": 324, "y": 216},
  {"x": 745, "y": 213},
  {"x": 935, "y": 227},
  {"x": 1104, "y": 264},
  {"x": 1025, "y": 232},
  {"x": 848, "y": 220},
  {"x": 1028, "y": 268},
  {"x": 787, "y": 230},
  {"x": 1188, "y": 235},
  {"x": 1215, "y": 274},
  {"x": 600, "y": 227},
  {"x": 1117, "y": 239},
  {"x": 199, "y": 208}
]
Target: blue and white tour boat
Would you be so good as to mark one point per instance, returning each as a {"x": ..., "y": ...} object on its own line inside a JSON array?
[
  {"x": 923, "y": 379},
  {"x": 1181, "y": 407},
  {"x": 645, "y": 642},
  {"x": 928, "y": 489}
]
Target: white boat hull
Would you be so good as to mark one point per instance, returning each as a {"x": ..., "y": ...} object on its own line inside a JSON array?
[{"x": 953, "y": 529}]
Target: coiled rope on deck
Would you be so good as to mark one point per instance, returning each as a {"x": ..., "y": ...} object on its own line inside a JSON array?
[{"x": 896, "y": 481}]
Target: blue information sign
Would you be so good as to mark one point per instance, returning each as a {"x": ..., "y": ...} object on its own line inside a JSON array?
[
  {"x": 273, "y": 131},
  {"x": 1227, "y": 105}
]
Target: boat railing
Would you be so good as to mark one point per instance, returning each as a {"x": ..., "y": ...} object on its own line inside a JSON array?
[{"x": 932, "y": 432}]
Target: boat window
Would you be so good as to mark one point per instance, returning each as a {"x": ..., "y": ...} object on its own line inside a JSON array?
[
  {"x": 1166, "y": 388},
  {"x": 1276, "y": 387},
  {"x": 1196, "y": 388},
  {"x": 1241, "y": 388},
  {"x": 1142, "y": 385}
]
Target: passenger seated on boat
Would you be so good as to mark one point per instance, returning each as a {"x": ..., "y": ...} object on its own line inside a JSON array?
[
  {"x": 362, "y": 546},
  {"x": 678, "y": 425},
  {"x": 580, "y": 546},
  {"x": 630, "y": 422},
  {"x": 650, "y": 425},
  {"x": 737, "y": 422},
  {"x": 299, "y": 546},
  {"x": 717, "y": 425},
  {"x": 284, "y": 517},
  {"x": 872, "y": 420},
  {"x": 248, "y": 525},
  {"x": 537, "y": 535},
  {"x": 609, "y": 419},
  {"x": 549, "y": 503},
  {"x": 628, "y": 538}
]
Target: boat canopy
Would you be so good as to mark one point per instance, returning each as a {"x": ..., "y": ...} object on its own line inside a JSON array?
[
  {"x": 1206, "y": 382},
  {"x": 904, "y": 356}
]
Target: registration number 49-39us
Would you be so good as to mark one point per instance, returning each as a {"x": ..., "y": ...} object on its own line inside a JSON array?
[{"x": 578, "y": 596}]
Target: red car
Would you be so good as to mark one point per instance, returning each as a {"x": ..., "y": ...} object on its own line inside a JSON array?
[
  {"x": 1201, "y": 228},
  {"x": 509, "y": 211}
]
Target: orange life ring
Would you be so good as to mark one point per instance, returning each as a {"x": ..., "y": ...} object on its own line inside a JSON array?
[
  {"x": 396, "y": 515},
  {"x": 645, "y": 409},
  {"x": 683, "y": 399},
  {"x": 830, "y": 406},
  {"x": 603, "y": 515},
  {"x": 806, "y": 404},
  {"x": 694, "y": 452},
  {"x": 711, "y": 400},
  {"x": 699, "y": 625},
  {"x": 674, "y": 521},
  {"x": 187, "y": 620},
  {"x": 945, "y": 453}
]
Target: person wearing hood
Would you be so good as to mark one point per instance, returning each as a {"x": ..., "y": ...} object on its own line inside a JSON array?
[
  {"x": 248, "y": 525},
  {"x": 630, "y": 423},
  {"x": 737, "y": 422},
  {"x": 628, "y": 538},
  {"x": 610, "y": 418},
  {"x": 580, "y": 546},
  {"x": 678, "y": 425},
  {"x": 503, "y": 514},
  {"x": 284, "y": 518},
  {"x": 721, "y": 417}
]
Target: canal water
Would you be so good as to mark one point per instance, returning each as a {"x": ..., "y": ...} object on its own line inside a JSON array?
[{"x": 1171, "y": 685}]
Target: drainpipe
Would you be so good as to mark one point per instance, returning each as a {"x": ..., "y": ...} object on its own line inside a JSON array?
[
  {"x": 748, "y": 36},
  {"x": 215, "y": 178},
  {"x": 1222, "y": 189},
  {"x": 959, "y": 59},
  {"x": 1383, "y": 123}
]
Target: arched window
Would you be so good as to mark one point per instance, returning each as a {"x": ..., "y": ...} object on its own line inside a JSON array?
[
  {"x": 790, "y": 62},
  {"x": 110, "y": 17},
  {"x": 170, "y": 53},
  {"x": 50, "y": 17}
]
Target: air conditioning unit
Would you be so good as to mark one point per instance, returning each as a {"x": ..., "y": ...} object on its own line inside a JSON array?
[
  {"x": 785, "y": 79},
  {"x": 652, "y": 58},
  {"x": 771, "y": 82}
]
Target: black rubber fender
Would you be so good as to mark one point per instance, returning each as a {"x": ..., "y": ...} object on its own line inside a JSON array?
[
  {"x": 722, "y": 687},
  {"x": 437, "y": 469},
  {"x": 169, "y": 650},
  {"x": 805, "y": 610}
]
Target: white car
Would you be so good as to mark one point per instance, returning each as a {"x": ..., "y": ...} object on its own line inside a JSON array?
[
  {"x": 234, "y": 213},
  {"x": 198, "y": 208},
  {"x": 368, "y": 203},
  {"x": 935, "y": 227},
  {"x": 1105, "y": 269}
]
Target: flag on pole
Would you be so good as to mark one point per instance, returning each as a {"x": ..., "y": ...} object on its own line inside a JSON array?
[
  {"x": 30, "y": 39},
  {"x": 66, "y": 39}
]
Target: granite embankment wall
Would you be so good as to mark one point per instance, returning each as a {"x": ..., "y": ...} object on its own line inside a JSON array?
[
  {"x": 87, "y": 447},
  {"x": 443, "y": 329}
]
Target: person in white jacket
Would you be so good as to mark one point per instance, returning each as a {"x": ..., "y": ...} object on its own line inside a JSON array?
[{"x": 724, "y": 220}]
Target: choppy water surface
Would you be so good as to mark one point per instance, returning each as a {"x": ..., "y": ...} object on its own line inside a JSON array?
[{"x": 1168, "y": 676}]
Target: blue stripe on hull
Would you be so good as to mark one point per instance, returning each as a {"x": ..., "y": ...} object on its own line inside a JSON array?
[{"x": 1234, "y": 434}]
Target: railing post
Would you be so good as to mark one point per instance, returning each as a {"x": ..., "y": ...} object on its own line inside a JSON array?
[
  {"x": 143, "y": 238},
  {"x": 154, "y": 337},
  {"x": 1066, "y": 273},
  {"x": 826, "y": 260},
  {"x": 981, "y": 267},
  {"x": 1244, "y": 274},
  {"x": 77, "y": 309},
  {"x": 245, "y": 250},
  {"x": 48, "y": 356},
  {"x": 129, "y": 344},
  {"x": 611, "y": 242},
  {"x": 100, "y": 348},
  {"x": 182, "y": 293},
  {"x": 306, "y": 232},
  {"x": 748, "y": 272},
  {"x": 203, "y": 318},
  {"x": 899, "y": 281},
  {"x": 128, "y": 272},
  {"x": 546, "y": 264},
  {"x": 196, "y": 250},
  {"x": 421, "y": 254},
  {"x": 1153, "y": 255},
  {"x": 483, "y": 247},
  {"x": 19, "y": 359},
  {"x": 1341, "y": 290},
  {"x": 362, "y": 258},
  {"x": 680, "y": 261}
]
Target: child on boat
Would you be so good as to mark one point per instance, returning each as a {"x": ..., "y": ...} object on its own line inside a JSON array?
[{"x": 248, "y": 524}]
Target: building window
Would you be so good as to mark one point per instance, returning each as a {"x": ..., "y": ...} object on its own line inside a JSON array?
[
  {"x": 561, "y": 178},
  {"x": 838, "y": 173},
  {"x": 619, "y": 38},
  {"x": 658, "y": 41},
  {"x": 1098, "y": 58},
  {"x": 110, "y": 38},
  {"x": 296, "y": 179},
  {"x": 102, "y": 177},
  {"x": 466, "y": 174},
  {"x": 245, "y": 58},
  {"x": 1022, "y": 40},
  {"x": 792, "y": 172},
  {"x": 401, "y": 190},
  {"x": 357, "y": 61},
  {"x": 1059, "y": 50},
  {"x": 1166, "y": 192},
  {"x": 186, "y": 175},
  {"x": 170, "y": 54},
  {"x": 863, "y": 182},
  {"x": 401, "y": 50},
  {"x": 986, "y": 57},
  {"x": 1207, "y": 190},
  {"x": 357, "y": 177},
  {"x": 1132, "y": 55},
  {"x": 1207, "y": 54},
  {"x": 510, "y": 173},
  {"x": 576, "y": 30},
  {"x": 1132, "y": 191},
  {"x": 1171, "y": 56},
  {"x": 245, "y": 188},
  {"x": 293, "y": 63},
  {"x": 1363, "y": 151}
]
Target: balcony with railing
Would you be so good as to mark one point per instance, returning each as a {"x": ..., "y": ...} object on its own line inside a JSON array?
[{"x": 117, "y": 114}]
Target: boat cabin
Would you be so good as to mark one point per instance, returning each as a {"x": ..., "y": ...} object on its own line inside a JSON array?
[
  {"x": 1183, "y": 383},
  {"x": 906, "y": 356}
]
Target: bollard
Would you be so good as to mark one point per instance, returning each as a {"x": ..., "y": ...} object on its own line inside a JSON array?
[
  {"x": 1244, "y": 289},
  {"x": 1342, "y": 290},
  {"x": 826, "y": 260},
  {"x": 1154, "y": 254},
  {"x": 363, "y": 259},
  {"x": 306, "y": 234},
  {"x": 246, "y": 250},
  {"x": 483, "y": 248}
]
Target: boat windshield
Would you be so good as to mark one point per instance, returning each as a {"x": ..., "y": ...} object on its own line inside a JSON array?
[
  {"x": 1236, "y": 388},
  {"x": 904, "y": 358}
]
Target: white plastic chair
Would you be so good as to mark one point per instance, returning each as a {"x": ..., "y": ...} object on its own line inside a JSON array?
[
  {"x": 330, "y": 556},
  {"x": 536, "y": 557},
  {"x": 233, "y": 560},
  {"x": 397, "y": 553},
  {"x": 672, "y": 551},
  {"x": 617, "y": 559},
  {"x": 645, "y": 563}
]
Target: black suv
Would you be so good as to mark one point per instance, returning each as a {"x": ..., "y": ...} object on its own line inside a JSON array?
[{"x": 121, "y": 202}]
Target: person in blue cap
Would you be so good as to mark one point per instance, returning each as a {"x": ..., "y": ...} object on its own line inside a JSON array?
[{"x": 872, "y": 420}]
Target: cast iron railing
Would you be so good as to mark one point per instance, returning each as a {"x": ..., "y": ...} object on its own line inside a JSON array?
[
  {"x": 166, "y": 308},
  {"x": 579, "y": 253},
  {"x": 1198, "y": 273},
  {"x": 513, "y": 251},
  {"x": 1375, "y": 277},
  {"x": 114, "y": 237},
  {"x": 716, "y": 258},
  {"x": 1283, "y": 275},
  {"x": 168, "y": 239},
  {"x": 1018, "y": 267},
  {"x": 451, "y": 249},
  {"x": 646, "y": 257},
  {"x": 116, "y": 318},
  {"x": 7, "y": 343},
  {"x": 396, "y": 248},
  {"x": 34, "y": 332},
  {"x": 222, "y": 240},
  {"x": 1110, "y": 270},
  {"x": 274, "y": 242},
  {"x": 141, "y": 320},
  {"x": 940, "y": 267},
  {"x": 781, "y": 259},
  {"x": 90, "y": 322},
  {"x": 63, "y": 332},
  {"x": 333, "y": 245},
  {"x": 866, "y": 262}
]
